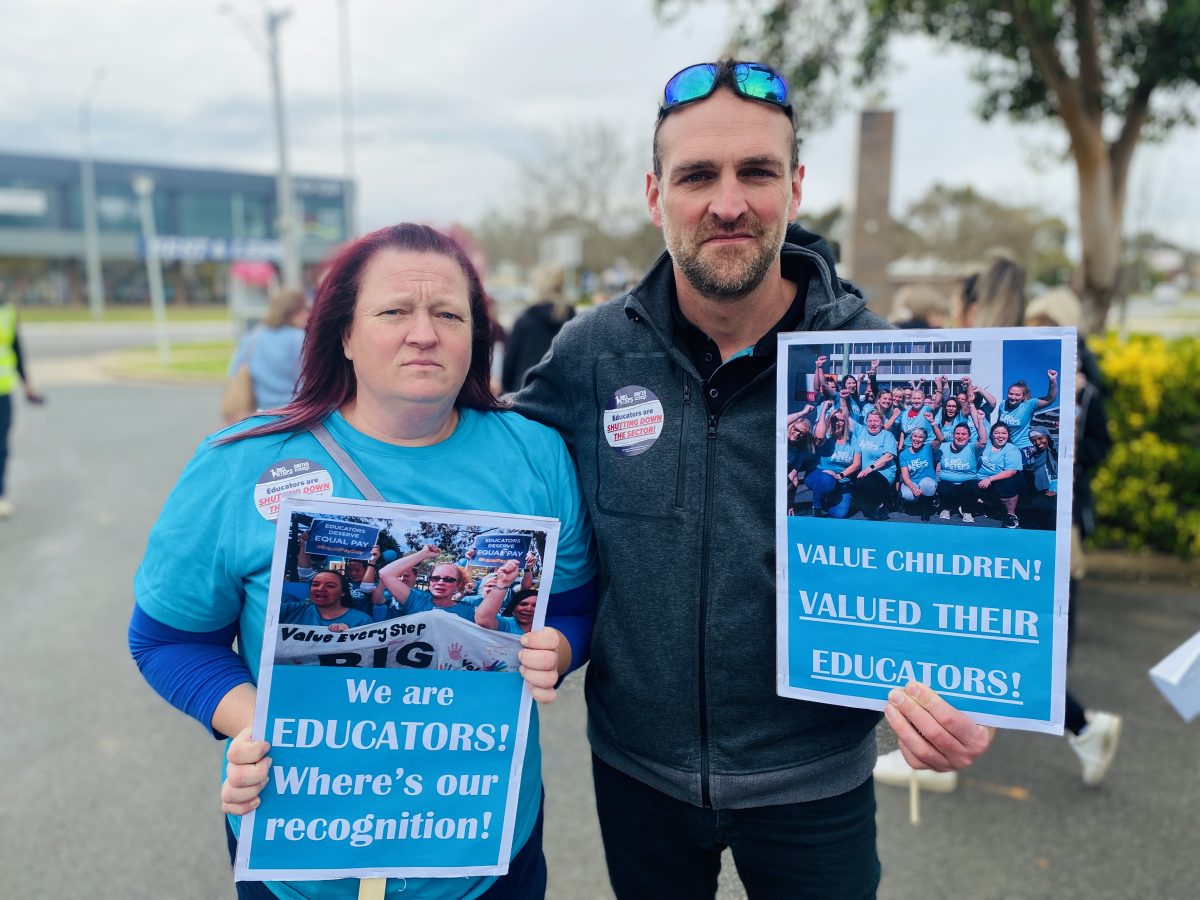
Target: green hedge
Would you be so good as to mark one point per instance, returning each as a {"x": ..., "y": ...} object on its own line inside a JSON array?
[{"x": 1148, "y": 491}]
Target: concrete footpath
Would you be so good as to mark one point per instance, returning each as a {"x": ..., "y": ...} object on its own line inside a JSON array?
[{"x": 108, "y": 793}]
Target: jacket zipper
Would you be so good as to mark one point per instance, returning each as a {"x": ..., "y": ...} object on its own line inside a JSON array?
[
  {"x": 705, "y": 533},
  {"x": 680, "y": 478},
  {"x": 710, "y": 452}
]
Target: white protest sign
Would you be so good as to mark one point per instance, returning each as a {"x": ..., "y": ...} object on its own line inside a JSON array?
[{"x": 1178, "y": 678}]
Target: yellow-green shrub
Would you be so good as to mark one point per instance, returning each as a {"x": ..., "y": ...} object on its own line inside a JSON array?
[{"x": 1148, "y": 490}]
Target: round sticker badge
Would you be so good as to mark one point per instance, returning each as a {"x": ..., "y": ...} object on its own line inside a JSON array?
[
  {"x": 633, "y": 420},
  {"x": 289, "y": 478}
]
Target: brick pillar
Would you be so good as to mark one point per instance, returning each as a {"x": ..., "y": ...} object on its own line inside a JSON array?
[{"x": 870, "y": 244}]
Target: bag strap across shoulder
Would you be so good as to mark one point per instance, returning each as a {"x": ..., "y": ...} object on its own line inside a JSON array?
[{"x": 342, "y": 458}]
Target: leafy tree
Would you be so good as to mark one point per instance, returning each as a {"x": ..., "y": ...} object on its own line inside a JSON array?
[
  {"x": 1095, "y": 66},
  {"x": 452, "y": 540},
  {"x": 584, "y": 180},
  {"x": 959, "y": 225}
]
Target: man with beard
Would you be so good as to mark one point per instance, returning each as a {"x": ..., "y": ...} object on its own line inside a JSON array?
[{"x": 666, "y": 399}]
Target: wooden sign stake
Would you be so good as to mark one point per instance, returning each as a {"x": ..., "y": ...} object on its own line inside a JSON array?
[{"x": 372, "y": 888}]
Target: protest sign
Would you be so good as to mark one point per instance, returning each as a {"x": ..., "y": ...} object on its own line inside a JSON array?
[
  {"x": 397, "y": 737},
  {"x": 494, "y": 549},
  {"x": 1178, "y": 678},
  {"x": 350, "y": 540},
  {"x": 922, "y": 530}
]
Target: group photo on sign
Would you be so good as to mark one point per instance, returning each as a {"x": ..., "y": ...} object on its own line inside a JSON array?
[
  {"x": 882, "y": 435},
  {"x": 956, "y": 430}
]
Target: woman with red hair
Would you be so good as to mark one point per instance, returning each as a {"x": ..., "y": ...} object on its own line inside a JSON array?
[{"x": 394, "y": 401}]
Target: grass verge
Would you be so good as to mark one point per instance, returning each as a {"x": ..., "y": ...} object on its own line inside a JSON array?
[
  {"x": 200, "y": 362},
  {"x": 121, "y": 314}
]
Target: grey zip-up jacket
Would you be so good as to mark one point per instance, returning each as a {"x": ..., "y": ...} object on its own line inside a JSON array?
[{"x": 681, "y": 685}]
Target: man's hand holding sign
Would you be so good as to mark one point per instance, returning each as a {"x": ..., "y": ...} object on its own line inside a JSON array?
[{"x": 931, "y": 733}]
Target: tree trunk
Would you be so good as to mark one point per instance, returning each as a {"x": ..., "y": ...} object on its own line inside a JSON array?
[{"x": 1100, "y": 236}]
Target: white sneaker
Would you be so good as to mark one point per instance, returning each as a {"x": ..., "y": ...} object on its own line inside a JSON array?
[
  {"x": 1096, "y": 745},
  {"x": 892, "y": 769},
  {"x": 6, "y": 508},
  {"x": 944, "y": 514},
  {"x": 968, "y": 518}
]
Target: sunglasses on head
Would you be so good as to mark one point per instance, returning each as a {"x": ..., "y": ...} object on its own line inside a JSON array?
[
  {"x": 752, "y": 80},
  {"x": 449, "y": 578}
]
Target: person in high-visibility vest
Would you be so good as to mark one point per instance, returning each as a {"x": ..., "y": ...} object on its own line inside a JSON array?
[{"x": 11, "y": 368}]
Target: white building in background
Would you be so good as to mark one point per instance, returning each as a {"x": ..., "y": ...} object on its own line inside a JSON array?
[{"x": 909, "y": 357}]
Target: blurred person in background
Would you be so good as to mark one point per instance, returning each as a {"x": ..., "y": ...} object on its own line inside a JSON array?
[
  {"x": 272, "y": 348},
  {"x": 535, "y": 328},
  {"x": 12, "y": 368},
  {"x": 1094, "y": 734},
  {"x": 919, "y": 306},
  {"x": 993, "y": 298}
]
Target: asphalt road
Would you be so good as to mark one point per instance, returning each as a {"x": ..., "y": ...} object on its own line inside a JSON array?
[
  {"x": 108, "y": 793},
  {"x": 53, "y": 340}
]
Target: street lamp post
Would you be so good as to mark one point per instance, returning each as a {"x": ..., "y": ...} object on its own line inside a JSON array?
[
  {"x": 284, "y": 201},
  {"x": 283, "y": 189},
  {"x": 87, "y": 180},
  {"x": 348, "y": 197},
  {"x": 143, "y": 186}
]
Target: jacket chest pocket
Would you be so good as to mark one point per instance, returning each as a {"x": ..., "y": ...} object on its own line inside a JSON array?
[{"x": 643, "y": 409}]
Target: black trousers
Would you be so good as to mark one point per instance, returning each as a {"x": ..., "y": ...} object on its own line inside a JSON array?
[
  {"x": 658, "y": 847},
  {"x": 6, "y": 415}
]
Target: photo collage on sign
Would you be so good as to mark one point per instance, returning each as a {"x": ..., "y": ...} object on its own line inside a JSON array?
[{"x": 397, "y": 592}]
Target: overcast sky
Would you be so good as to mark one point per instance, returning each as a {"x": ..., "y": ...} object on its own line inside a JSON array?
[{"x": 450, "y": 95}]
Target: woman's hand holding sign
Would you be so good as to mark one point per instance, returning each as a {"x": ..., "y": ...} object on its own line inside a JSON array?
[
  {"x": 932, "y": 733},
  {"x": 545, "y": 657},
  {"x": 545, "y": 654},
  {"x": 245, "y": 775}
]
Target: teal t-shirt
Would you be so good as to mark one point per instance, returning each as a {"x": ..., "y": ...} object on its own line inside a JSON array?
[
  {"x": 958, "y": 467},
  {"x": 993, "y": 461},
  {"x": 1018, "y": 421},
  {"x": 873, "y": 446},
  {"x": 301, "y": 612},
  {"x": 909, "y": 422},
  {"x": 947, "y": 428},
  {"x": 208, "y": 559},
  {"x": 919, "y": 463},
  {"x": 835, "y": 456},
  {"x": 419, "y": 601}
]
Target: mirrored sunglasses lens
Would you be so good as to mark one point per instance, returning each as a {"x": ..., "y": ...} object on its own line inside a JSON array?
[
  {"x": 690, "y": 84},
  {"x": 760, "y": 83}
]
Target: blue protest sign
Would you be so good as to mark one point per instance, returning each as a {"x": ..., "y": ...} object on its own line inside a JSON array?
[
  {"x": 400, "y": 769},
  {"x": 495, "y": 549},
  {"x": 400, "y": 736},
  {"x": 945, "y": 564},
  {"x": 350, "y": 540}
]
